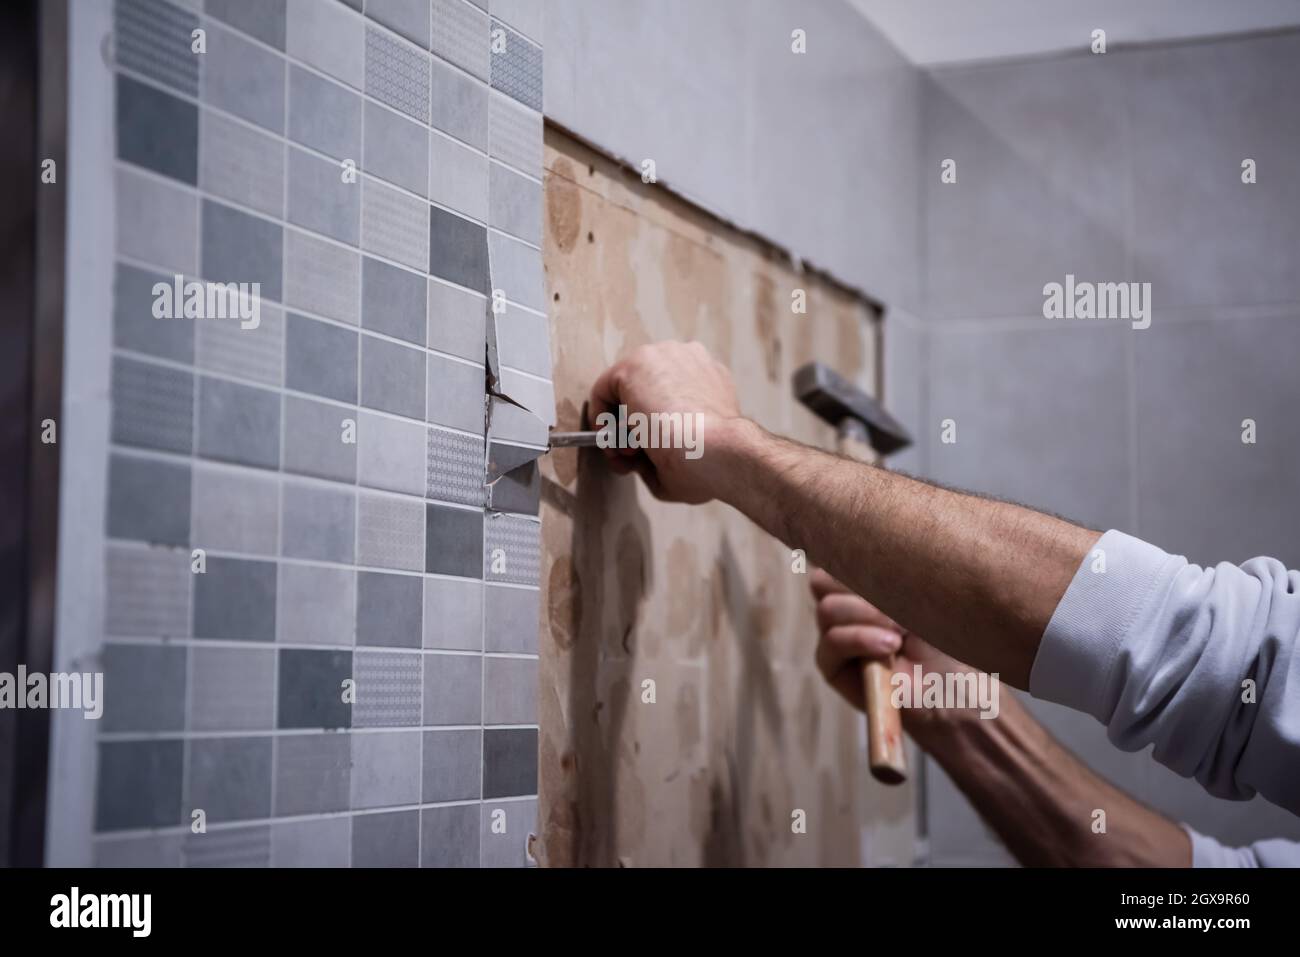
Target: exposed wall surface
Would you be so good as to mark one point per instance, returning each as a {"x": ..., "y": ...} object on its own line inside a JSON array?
[
  {"x": 742, "y": 732},
  {"x": 1119, "y": 167},
  {"x": 278, "y": 544}
]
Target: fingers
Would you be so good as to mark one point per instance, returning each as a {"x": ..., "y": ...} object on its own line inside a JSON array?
[
  {"x": 823, "y": 582},
  {"x": 847, "y": 643},
  {"x": 846, "y": 608}
]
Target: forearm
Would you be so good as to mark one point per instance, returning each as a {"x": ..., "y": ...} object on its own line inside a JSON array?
[
  {"x": 979, "y": 578},
  {"x": 1043, "y": 802}
]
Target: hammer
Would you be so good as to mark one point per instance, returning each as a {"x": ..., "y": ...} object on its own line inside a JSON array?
[{"x": 865, "y": 429}]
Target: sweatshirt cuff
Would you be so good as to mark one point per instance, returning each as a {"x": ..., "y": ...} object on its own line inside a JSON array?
[
  {"x": 1207, "y": 852},
  {"x": 1092, "y": 621}
]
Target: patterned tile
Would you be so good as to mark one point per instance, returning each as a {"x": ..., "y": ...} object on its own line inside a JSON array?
[
  {"x": 147, "y": 592},
  {"x": 511, "y": 549},
  {"x": 255, "y": 353},
  {"x": 460, "y": 36},
  {"x": 241, "y": 164},
  {"x": 515, "y": 135},
  {"x": 390, "y": 533},
  {"x": 455, "y": 464},
  {"x": 389, "y": 690},
  {"x": 153, "y": 38},
  {"x": 153, "y": 405},
  {"x": 516, "y": 66},
  {"x": 397, "y": 75},
  {"x": 235, "y": 510},
  {"x": 394, "y": 225},
  {"x": 322, "y": 277},
  {"x": 228, "y": 847}
]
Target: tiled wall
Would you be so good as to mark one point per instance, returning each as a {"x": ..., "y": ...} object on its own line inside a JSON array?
[{"x": 387, "y": 560}]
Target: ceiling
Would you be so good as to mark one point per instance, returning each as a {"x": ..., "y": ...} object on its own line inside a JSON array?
[{"x": 933, "y": 32}]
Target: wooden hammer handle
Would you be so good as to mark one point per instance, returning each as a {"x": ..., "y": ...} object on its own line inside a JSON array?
[{"x": 885, "y": 753}]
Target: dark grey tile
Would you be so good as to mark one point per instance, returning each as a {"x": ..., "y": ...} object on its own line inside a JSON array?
[
  {"x": 453, "y": 614},
  {"x": 389, "y": 609},
  {"x": 511, "y": 619},
  {"x": 453, "y": 689},
  {"x": 319, "y": 522},
  {"x": 239, "y": 423},
  {"x": 393, "y": 301},
  {"x": 410, "y": 18},
  {"x": 148, "y": 500},
  {"x": 320, "y": 358},
  {"x": 457, "y": 394},
  {"x": 509, "y": 762},
  {"x": 458, "y": 250},
  {"x": 385, "y": 769},
  {"x": 230, "y": 778},
  {"x": 457, "y": 321},
  {"x": 144, "y": 688},
  {"x": 157, "y": 131},
  {"x": 509, "y": 690},
  {"x": 244, "y": 79},
  {"x": 453, "y": 541},
  {"x": 313, "y": 439},
  {"x": 460, "y": 105},
  {"x": 153, "y": 38},
  {"x": 392, "y": 377},
  {"x": 449, "y": 836},
  {"x": 519, "y": 487},
  {"x": 396, "y": 74},
  {"x": 234, "y": 600},
  {"x": 386, "y": 840},
  {"x": 324, "y": 115},
  {"x": 320, "y": 199},
  {"x": 134, "y": 325},
  {"x": 397, "y": 149},
  {"x": 453, "y": 765},
  {"x": 263, "y": 19},
  {"x": 313, "y": 773},
  {"x": 311, "y": 689},
  {"x": 139, "y": 784},
  {"x": 517, "y": 68},
  {"x": 238, "y": 247},
  {"x": 153, "y": 405}
]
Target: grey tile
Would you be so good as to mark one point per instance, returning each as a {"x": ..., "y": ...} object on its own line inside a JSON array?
[
  {"x": 386, "y": 840},
  {"x": 453, "y": 689},
  {"x": 509, "y": 762},
  {"x": 524, "y": 341},
  {"x": 394, "y": 225},
  {"x": 324, "y": 115},
  {"x": 509, "y": 690},
  {"x": 392, "y": 377},
  {"x": 153, "y": 405},
  {"x": 458, "y": 250},
  {"x": 515, "y": 134},
  {"x": 232, "y": 689},
  {"x": 1197, "y": 382},
  {"x": 234, "y": 600},
  {"x": 456, "y": 394},
  {"x": 534, "y": 394},
  {"x": 410, "y": 18},
  {"x": 510, "y": 423},
  {"x": 393, "y": 301},
  {"x": 157, "y": 131},
  {"x": 230, "y": 778},
  {"x": 454, "y": 467},
  {"x": 312, "y": 773},
  {"x": 139, "y": 784},
  {"x": 397, "y": 149},
  {"x": 455, "y": 541},
  {"x": 460, "y": 36},
  {"x": 325, "y": 842},
  {"x": 241, "y": 164},
  {"x": 157, "y": 223},
  {"x": 235, "y": 510},
  {"x": 319, "y": 522},
  {"x": 322, "y": 277},
  {"x": 242, "y": 78},
  {"x": 506, "y": 827},
  {"x": 460, "y": 105},
  {"x": 449, "y": 836},
  {"x": 391, "y": 453},
  {"x": 515, "y": 204},
  {"x": 453, "y": 614},
  {"x": 391, "y": 532},
  {"x": 389, "y": 693},
  {"x": 134, "y": 325},
  {"x": 238, "y": 247},
  {"x": 516, "y": 67},
  {"x": 511, "y": 549},
  {"x": 314, "y": 434},
  {"x": 255, "y": 353},
  {"x": 457, "y": 321},
  {"x": 511, "y": 619},
  {"x": 148, "y": 500},
  {"x": 385, "y": 769},
  {"x": 453, "y": 765},
  {"x": 317, "y": 605},
  {"x": 238, "y": 423},
  {"x": 389, "y": 609},
  {"x": 520, "y": 489},
  {"x": 152, "y": 850},
  {"x": 311, "y": 689},
  {"x": 233, "y": 847},
  {"x": 321, "y": 200},
  {"x": 320, "y": 358},
  {"x": 263, "y": 19},
  {"x": 525, "y": 16},
  {"x": 153, "y": 38},
  {"x": 517, "y": 270},
  {"x": 147, "y": 592},
  {"x": 144, "y": 688},
  {"x": 458, "y": 176},
  {"x": 329, "y": 38},
  {"x": 397, "y": 75}
]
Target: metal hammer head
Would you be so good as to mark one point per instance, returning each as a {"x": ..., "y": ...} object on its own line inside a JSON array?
[{"x": 836, "y": 399}]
